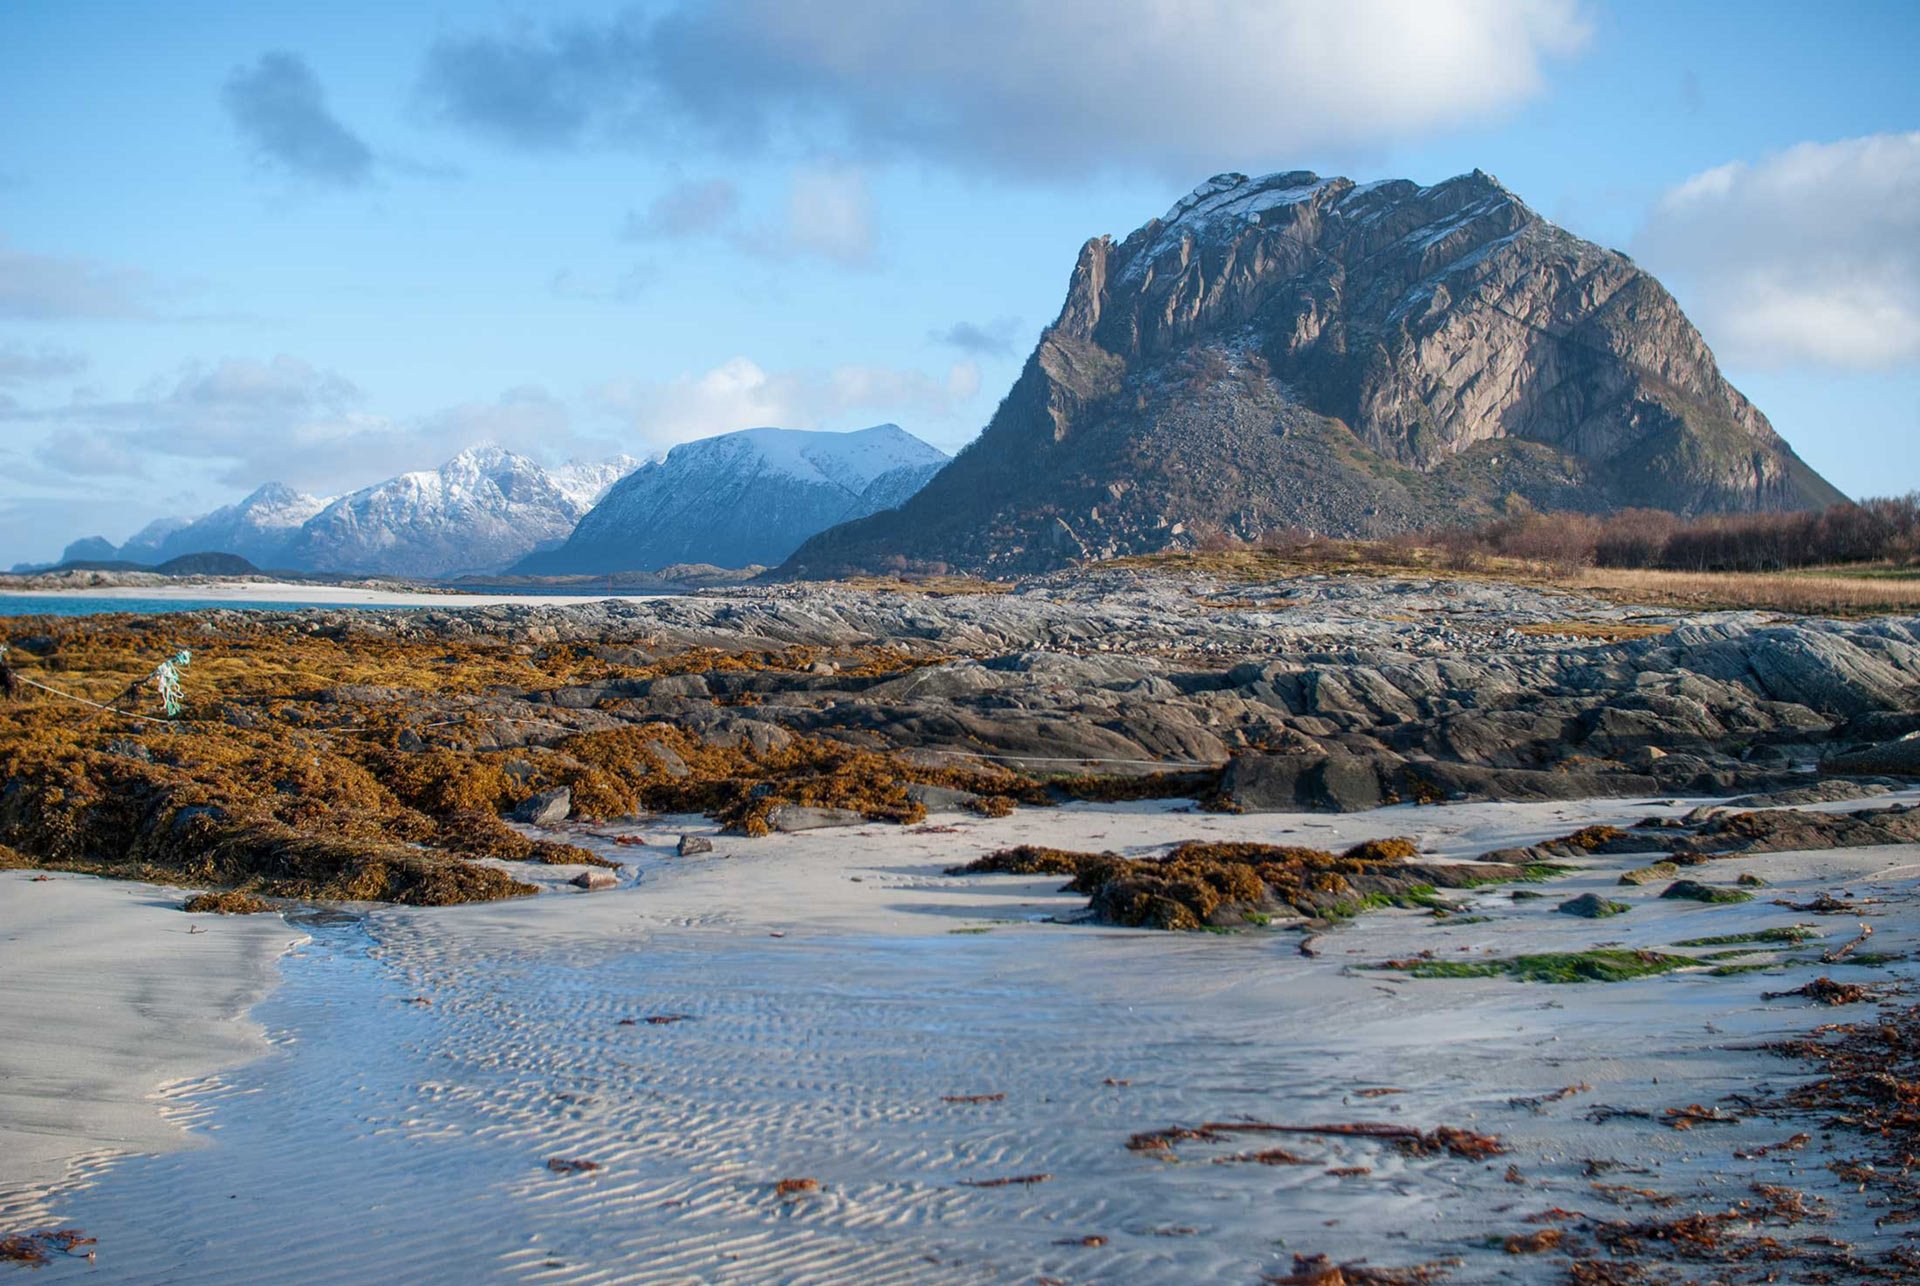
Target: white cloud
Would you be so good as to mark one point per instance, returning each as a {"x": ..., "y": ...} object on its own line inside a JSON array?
[
  {"x": 1811, "y": 255},
  {"x": 740, "y": 394},
  {"x": 1053, "y": 88}
]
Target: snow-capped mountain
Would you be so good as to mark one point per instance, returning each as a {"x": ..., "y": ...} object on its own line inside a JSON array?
[
  {"x": 258, "y": 529},
  {"x": 742, "y": 498},
  {"x": 586, "y": 481},
  {"x": 479, "y": 512}
]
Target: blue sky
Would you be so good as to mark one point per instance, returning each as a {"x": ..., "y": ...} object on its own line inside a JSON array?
[{"x": 322, "y": 244}]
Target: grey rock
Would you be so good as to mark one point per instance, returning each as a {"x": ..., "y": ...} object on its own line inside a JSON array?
[
  {"x": 1895, "y": 758},
  {"x": 546, "y": 808},
  {"x": 1591, "y": 906},
  {"x": 692, "y": 844},
  {"x": 595, "y": 880},
  {"x": 940, "y": 799},
  {"x": 788, "y": 818}
]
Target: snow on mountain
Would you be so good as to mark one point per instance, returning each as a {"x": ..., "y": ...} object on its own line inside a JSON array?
[
  {"x": 586, "y": 481},
  {"x": 742, "y": 498},
  {"x": 479, "y": 512},
  {"x": 258, "y": 529}
]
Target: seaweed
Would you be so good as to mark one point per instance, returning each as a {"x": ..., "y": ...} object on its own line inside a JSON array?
[
  {"x": 230, "y": 902},
  {"x": 1205, "y": 884},
  {"x": 1602, "y": 964}
]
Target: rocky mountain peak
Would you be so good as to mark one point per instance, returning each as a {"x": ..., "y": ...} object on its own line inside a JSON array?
[{"x": 1352, "y": 358}]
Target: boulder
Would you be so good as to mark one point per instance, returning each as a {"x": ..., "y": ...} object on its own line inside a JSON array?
[
  {"x": 595, "y": 880},
  {"x": 1651, "y": 874},
  {"x": 1328, "y": 783},
  {"x": 940, "y": 799},
  {"x": 691, "y": 844},
  {"x": 1591, "y": 906},
  {"x": 1896, "y": 758},
  {"x": 547, "y": 808},
  {"x": 787, "y": 818}
]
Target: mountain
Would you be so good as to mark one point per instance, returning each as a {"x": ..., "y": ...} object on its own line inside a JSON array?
[
  {"x": 742, "y": 498},
  {"x": 585, "y": 482},
  {"x": 144, "y": 545},
  {"x": 90, "y": 549},
  {"x": 478, "y": 512},
  {"x": 259, "y": 529},
  {"x": 1353, "y": 359}
]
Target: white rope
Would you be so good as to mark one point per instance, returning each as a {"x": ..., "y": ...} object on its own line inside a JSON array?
[{"x": 125, "y": 714}]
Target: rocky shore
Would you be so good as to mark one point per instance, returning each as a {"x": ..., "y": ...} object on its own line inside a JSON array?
[{"x": 790, "y": 707}]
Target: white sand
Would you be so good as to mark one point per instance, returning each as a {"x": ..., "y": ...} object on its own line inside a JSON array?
[
  {"x": 838, "y": 987},
  {"x": 266, "y": 593},
  {"x": 112, "y": 1004}
]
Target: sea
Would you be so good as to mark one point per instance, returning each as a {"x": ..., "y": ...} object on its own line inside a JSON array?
[{"x": 89, "y": 605}]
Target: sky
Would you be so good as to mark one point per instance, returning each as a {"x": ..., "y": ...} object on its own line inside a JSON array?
[{"x": 323, "y": 244}]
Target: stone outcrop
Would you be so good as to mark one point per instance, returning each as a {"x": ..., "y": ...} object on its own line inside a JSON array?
[{"x": 1307, "y": 693}]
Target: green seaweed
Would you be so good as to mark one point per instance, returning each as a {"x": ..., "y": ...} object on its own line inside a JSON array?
[
  {"x": 1601, "y": 964},
  {"x": 1790, "y": 935}
]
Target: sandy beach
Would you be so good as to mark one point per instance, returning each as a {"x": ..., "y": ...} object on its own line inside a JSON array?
[
  {"x": 831, "y": 1006},
  {"x": 116, "y": 1009}
]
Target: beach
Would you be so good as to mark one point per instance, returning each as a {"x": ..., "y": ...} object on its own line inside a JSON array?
[
  {"x": 115, "y": 1009},
  {"x": 613, "y": 1086}
]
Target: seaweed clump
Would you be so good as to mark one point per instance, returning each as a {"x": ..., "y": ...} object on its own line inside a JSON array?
[
  {"x": 1214, "y": 885},
  {"x": 1602, "y": 964},
  {"x": 227, "y": 902}
]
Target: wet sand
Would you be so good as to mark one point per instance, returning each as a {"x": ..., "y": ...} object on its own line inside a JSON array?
[
  {"x": 830, "y": 992},
  {"x": 113, "y": 1005}
]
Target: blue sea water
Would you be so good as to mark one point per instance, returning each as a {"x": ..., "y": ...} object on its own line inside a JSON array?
[{"x": 90, "y": 605}]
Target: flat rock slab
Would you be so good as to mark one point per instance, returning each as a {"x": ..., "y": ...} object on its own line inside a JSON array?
[{"x": 788, "y": 818}]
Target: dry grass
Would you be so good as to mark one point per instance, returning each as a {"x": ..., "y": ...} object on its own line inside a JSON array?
[
  {"x": 1850, "y": 591},
  {"x": 1825, "y": 592}
]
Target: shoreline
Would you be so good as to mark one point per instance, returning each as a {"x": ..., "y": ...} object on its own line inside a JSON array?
[
  {"x": 832, "y": 1006},
  {"x": 114, "y": 999}
]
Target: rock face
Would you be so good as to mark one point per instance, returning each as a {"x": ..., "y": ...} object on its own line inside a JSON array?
[
  {"x": 1355, "y": 359},
  {"x": 479, "y": 512},
  {"x": 258, "y": 529},
  {"x": 742, "y": 499}
]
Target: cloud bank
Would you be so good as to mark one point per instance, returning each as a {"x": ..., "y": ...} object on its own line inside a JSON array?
[
  {"x": 1811, "y": 255},
  {"x": 1048, "y": 88}
]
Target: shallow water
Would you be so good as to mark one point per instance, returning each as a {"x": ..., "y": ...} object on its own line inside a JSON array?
[{"x": 427, "y": 1065}]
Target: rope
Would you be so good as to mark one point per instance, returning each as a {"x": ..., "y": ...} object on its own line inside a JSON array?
[{"x": 125, "y": 714}]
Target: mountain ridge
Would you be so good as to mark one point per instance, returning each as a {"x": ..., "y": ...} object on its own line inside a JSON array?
[{"x": 742, "y": 498}]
